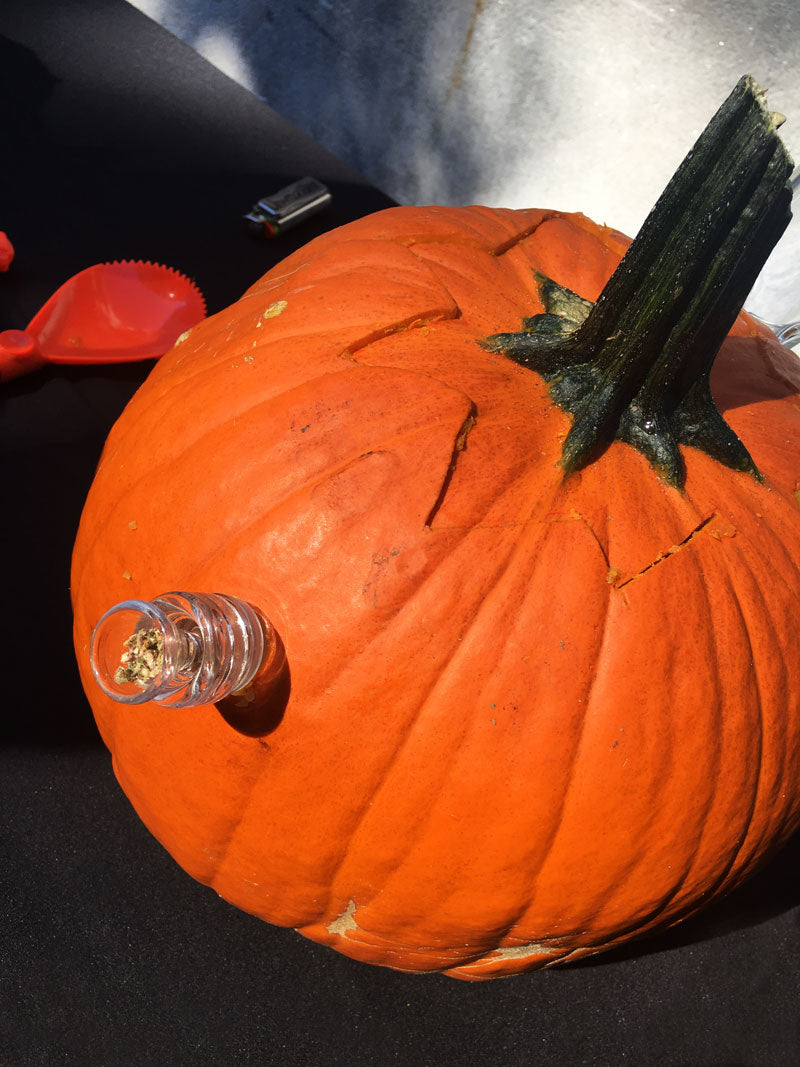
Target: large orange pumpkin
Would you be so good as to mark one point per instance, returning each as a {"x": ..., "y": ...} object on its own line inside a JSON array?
[{"x": 530, "y": 716}]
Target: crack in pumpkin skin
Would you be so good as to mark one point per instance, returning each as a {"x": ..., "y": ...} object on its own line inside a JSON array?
[
  {"x": 458, "y": 447},
  {"x": 719, "y": 532},
  {"x": 505, "y": 246}
]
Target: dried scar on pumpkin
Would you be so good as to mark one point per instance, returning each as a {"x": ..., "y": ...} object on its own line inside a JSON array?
[{"x": 273, "y": 311}]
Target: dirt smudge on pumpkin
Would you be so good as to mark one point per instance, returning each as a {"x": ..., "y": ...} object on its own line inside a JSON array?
[{"x": 378, "y": 560}]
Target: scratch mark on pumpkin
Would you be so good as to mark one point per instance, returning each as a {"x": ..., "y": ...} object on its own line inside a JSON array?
[
  {"x": 715, "y": 528},
  {"x": 458, "y": 447},
  {"x": 345, "y": 923},
  {"x": 576, "y": 516}
]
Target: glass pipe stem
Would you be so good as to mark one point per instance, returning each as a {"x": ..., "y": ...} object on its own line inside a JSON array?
[{"x": 181, "y": 649}]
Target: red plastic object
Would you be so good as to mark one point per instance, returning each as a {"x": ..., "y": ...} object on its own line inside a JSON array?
[
  {"x": 6, "y": 251},
  {"x": 109, "y": 313}
]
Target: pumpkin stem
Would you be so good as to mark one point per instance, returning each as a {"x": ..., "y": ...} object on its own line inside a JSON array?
[{"x": 636, "y": 364}]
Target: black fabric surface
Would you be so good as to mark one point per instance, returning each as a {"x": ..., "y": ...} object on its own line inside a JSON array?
[{"x": 119, "y": 142}]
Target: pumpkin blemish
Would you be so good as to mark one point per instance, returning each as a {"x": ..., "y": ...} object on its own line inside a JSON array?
[
  {"x": 275, "y": 309},
  {"x": 510, "y": 952},
  {"x": 346, "y": 921}
]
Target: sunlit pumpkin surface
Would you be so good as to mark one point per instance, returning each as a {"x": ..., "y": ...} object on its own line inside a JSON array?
[{"x": 529, "y": 717}]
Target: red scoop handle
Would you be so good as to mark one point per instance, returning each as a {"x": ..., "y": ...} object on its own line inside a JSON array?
[{"x": 19, "y": 354}]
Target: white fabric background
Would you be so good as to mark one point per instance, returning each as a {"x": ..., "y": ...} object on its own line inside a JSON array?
[{"x": 573, "y": 104}]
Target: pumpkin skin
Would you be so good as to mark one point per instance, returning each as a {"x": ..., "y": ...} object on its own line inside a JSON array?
[{"x": 530, "y": 717}]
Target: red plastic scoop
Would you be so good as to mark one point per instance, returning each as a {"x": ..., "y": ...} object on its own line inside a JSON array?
[{"x": 109, "y": 313}]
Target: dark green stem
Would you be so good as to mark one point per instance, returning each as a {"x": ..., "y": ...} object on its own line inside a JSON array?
[{"x": 636, "y": 364}]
